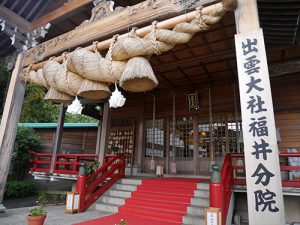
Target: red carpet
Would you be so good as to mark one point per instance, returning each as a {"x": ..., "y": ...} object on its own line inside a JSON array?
[{"x": 160, "y": 201}]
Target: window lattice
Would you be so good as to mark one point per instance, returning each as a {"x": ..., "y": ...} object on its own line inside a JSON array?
[
  {"x": 155, "y": 142},
  {"x": 183, "y": 141}
]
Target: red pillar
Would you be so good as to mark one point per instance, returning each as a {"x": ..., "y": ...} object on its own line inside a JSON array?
[
  {"x": 81, "y": 189},
  {"x": 216, "y": 195}
]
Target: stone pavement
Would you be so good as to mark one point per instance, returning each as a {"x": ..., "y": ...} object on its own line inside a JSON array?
[{"x": 56, "y": 216}]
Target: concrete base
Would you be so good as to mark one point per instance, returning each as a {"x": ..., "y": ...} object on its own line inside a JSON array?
[{"x": 2, "y": 208}]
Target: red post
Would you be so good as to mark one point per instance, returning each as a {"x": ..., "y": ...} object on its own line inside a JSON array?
[
  {"x": 216, "y": 195},
  {"x": 81, "y": 189}
]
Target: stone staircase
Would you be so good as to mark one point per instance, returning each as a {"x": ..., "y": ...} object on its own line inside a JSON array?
[
  {"x": 200, "y": 201},
  {"x": 191, "y": 212},
  {"x": 116, "y": 195}
]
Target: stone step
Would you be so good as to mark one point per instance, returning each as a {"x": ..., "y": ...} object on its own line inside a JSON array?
[
  {"x": 203, "y": 186},
  {"x": 193, "y": 220},
  {"x": 196, "y": 210},
  {"x": 112, "y": 200},
  {"x": 130, "y": 181},
  {"x": 118, "y": 193},
  {"x": 201, "y": 193},
  {"x": 124, "y": 187},
  {"x": 202, "y": 202},
  {"x": 107, "y": 207}
]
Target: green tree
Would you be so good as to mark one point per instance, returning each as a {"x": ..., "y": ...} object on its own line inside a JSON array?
[
  {"x": 26, "y": 139},
  {"x": 36, "y": 109},
  {"x": 4, "y": 80}
]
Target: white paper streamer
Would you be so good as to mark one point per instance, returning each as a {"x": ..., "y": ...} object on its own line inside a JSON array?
[
  {"x": 116, "y": 99},
  {"x": 75, "y": 107}
]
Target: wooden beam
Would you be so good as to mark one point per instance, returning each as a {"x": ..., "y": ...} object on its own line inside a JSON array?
[
  {"x": 58, "y": 135},
  {"x": 61, "y": 12},
  {"x": 14, "y": 18},
  {"x": 283, "y": 68},
  {"x": 9, "y": 122},
  {"x": 104, "y": 132},
  {"x": 115, "y": 23}
]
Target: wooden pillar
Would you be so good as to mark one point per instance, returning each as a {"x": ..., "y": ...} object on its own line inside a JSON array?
[
  {"x": 99, "y": 132},
  {"x": 9, "y": 123},
  {"x": 264, "y": 187},
  {"x": 141, "y": 140},
  {"x": 167, "y": 144},
  {"x": 227, "y": 150},
  {"x": 104, "y": 132},
  {"x": 58, "y": 135},
  {"x": 196, "y": 143}
]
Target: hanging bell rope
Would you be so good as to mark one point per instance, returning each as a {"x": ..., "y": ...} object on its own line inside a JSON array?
[{"x": 209, "y": 15}]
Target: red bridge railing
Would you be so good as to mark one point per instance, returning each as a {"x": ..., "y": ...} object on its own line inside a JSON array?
[
  {"x": 233, "y": 174},
  {"x": 64, "y": 163},
  {"x": 93, "y": 186}
]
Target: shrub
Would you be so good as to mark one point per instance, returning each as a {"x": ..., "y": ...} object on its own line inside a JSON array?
[
  {"x": 37, "y": 211},
  {"x": 18, "y": 189},
  {"x": 26, "y": 139}
]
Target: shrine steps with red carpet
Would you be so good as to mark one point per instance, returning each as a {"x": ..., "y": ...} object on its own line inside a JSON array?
[{"x": 163, "y": 200}]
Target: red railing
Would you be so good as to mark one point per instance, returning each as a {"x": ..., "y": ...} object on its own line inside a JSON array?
[
  {"x": 231, "y": 174},
  {"x": 92, "y": 187},
  {"x": 64, "y": 163},
  {"x": 239, "y": 171},
  {"x": 220, "y": 193}
]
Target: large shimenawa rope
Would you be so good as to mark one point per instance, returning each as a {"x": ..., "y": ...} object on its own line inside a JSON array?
[{"x": 155, "y": 43}]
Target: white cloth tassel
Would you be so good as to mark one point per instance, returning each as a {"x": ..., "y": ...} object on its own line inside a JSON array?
[{"x": 116, "y": 99}]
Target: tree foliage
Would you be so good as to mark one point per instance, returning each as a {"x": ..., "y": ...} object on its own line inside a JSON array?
[
  {"x": 37, "y": 110},
  {"x": 26, "y": 139},
  {"x": 4, "y": 80}
]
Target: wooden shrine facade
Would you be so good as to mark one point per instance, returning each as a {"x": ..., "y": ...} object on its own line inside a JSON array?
[{"x": 206, "y": 65}]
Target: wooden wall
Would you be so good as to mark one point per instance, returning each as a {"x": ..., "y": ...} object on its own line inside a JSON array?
[{"x": 74, "y": 140}]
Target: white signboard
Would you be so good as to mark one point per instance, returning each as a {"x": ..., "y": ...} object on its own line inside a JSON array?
[{"x": 264, "y": 188}]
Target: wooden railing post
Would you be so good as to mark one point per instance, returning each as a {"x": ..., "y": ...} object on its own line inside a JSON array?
[{"x": 81, "y": 189}]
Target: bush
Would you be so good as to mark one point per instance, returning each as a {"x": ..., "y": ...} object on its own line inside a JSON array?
[
  {"x": 18, "y": 189},
  {"x": 26, "y": 139}
]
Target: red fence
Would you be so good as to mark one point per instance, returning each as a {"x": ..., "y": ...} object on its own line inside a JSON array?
[
  {"x": 239, "y": 171},
  {"x": 93, "y": 186},
  {"x": 233, "y": 174},
  {"x": 64, "y": 163}
]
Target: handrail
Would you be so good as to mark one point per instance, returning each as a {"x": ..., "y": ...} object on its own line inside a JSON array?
[
  {"x": 285, "y": 183},
  {"x": 92, "y": 187},
  {"x": 227, "y": 181},
  {"x": 64, "y": 163},
  {"x": 220, "y": 192}
]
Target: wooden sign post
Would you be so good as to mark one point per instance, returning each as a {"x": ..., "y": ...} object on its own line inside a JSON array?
[{"x": 264, "y": 188}]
